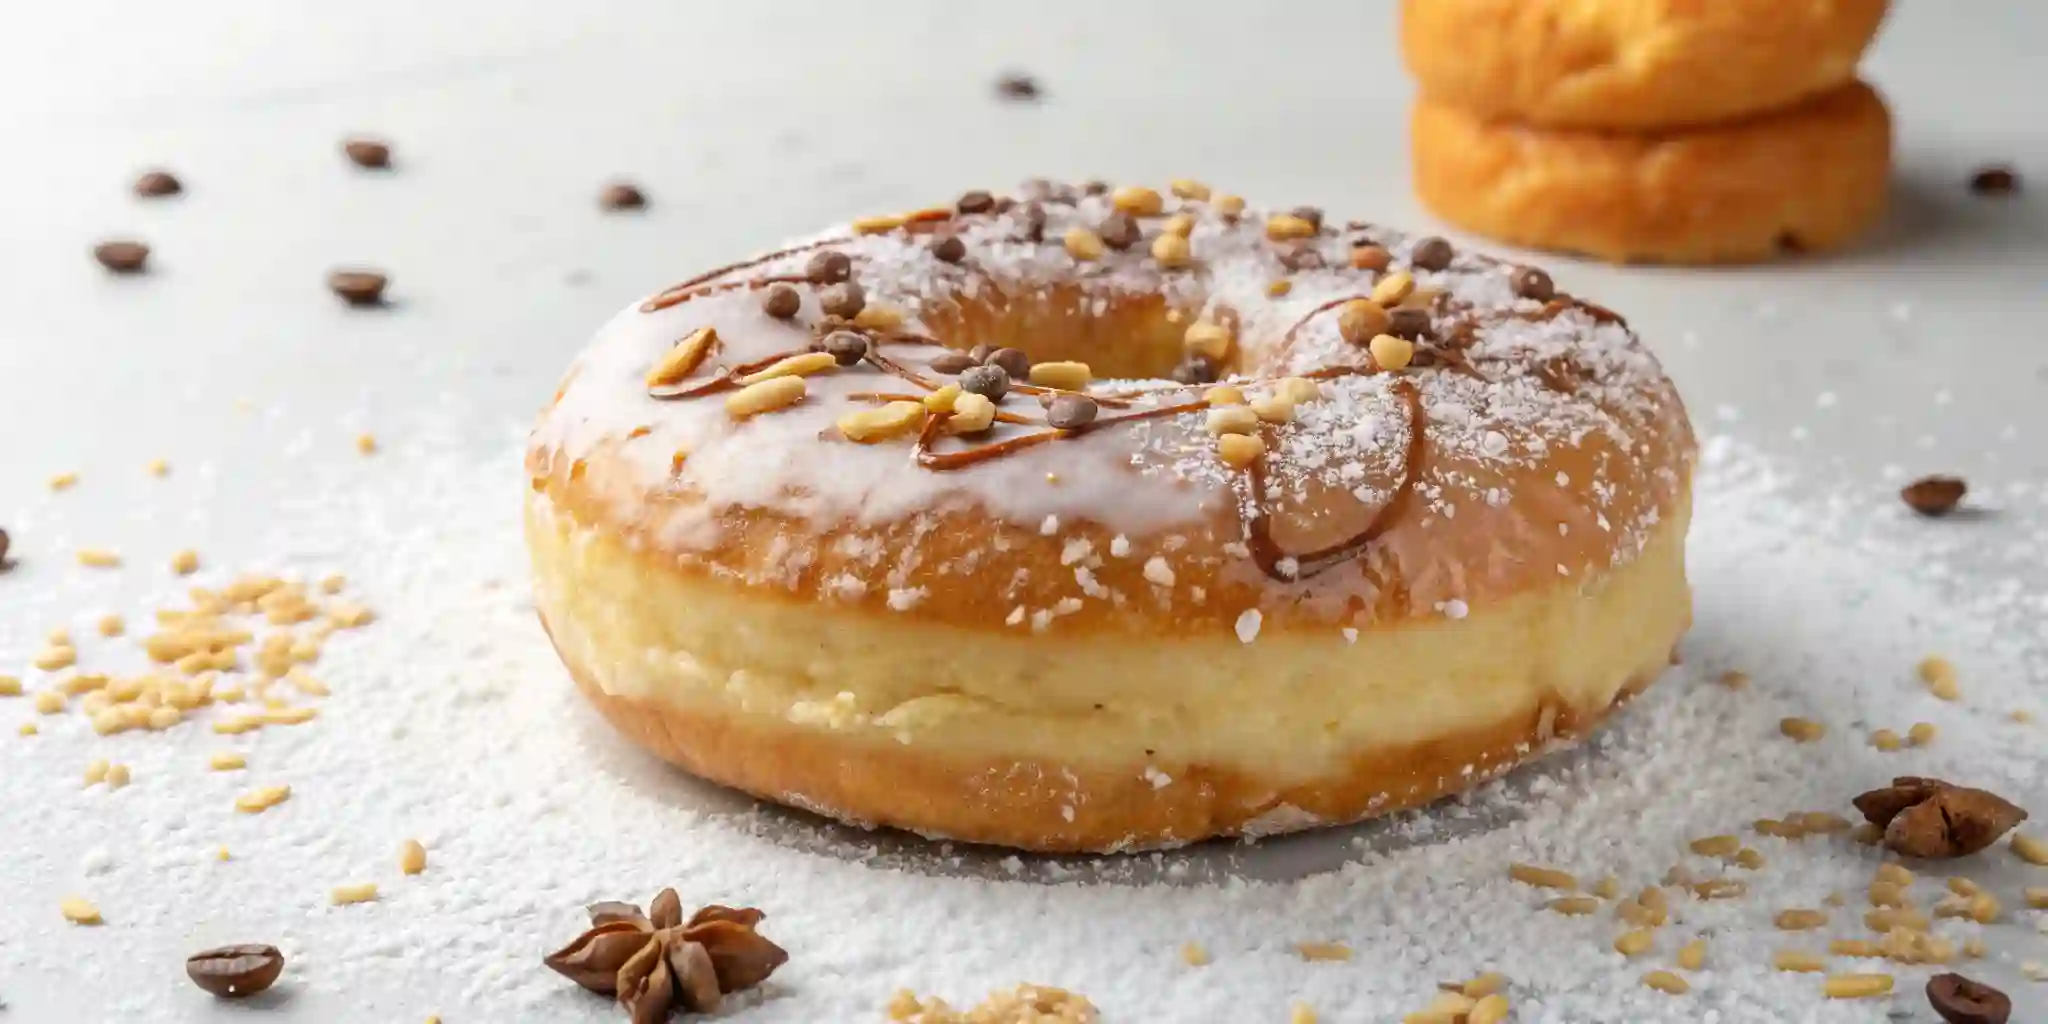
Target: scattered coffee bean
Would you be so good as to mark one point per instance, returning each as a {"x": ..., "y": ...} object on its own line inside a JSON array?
[
  {"x": 1119, "y": 231},
  {"x": 622, "y": 195},
  {"x": 157, "y": 184},
  {"x": 1962, "y": 1001},
  {"x": 1302, "y": 257},
  {"x": 1995, "y": 181},
  {"x": 949, "y": 249},
  {"x": 121, "y": 257},
  {"x": 1034, "y": 222},
  {"x": 5, "y": 541},
  {"x": 828, "y": 267},
  {"x": 1934, "y": 495},
  {"x": 976, "y": 201},
  {"x": 781, "y": 301},
  {"x": 1017, "y": 88},
  {"x": 1533, "y": 283},
  {"x": 1313, "y": 215},
  {"x": 234, "y": 972},
  {"x": 1431, "y": 253},
  {"x": 1196, "y": 369},
  {"x": 847, "y": 347},
  {"x": 358, "y": 287},
  {"x": 952, "y": 364},
  {"x": 1095, "y": 187},
  {"x": 844, "y": 300},
  {"x": 368, "y": 153},
  {"x": 1411, "y": 324},
  {"x": 1071, "y": 412},
  {"x": 1013, "y": 361},
  {"x": 989, "y": 381}
]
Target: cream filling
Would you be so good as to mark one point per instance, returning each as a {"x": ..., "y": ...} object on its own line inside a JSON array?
[{"x": 1288, "y": 705}]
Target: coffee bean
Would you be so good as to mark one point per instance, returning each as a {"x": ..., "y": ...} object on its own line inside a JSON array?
[
  {"x": 1013, "y": 361},
  {"x": 828, "y": 267},
  {"x": 1431, "y": 253},
  {"x": 4, "y": 541},
  {"x": 1095, "y": 187},
  {"x": 1313, "y": 215},
  {"x": 781, "y": 301},
  {"x": 1302, "y": 257},
  {"x": 121, "y": 257},
  {"x": 844, "y": 300},
  {"x": 989, "y": 381},
  {"x": 1533, "y": 283},
  {"x": 976, "y": 201},
  {"x": 1412, "y": 324},
  {"x": 952, "y": 364},
  {"x": 1071, "y": 412},
  {"x": 156, "y": 184},
  {"x": 1119, "y": 231},
  {"x": 1962, "y": 1001},
  {"x": 949, "y": 249},
  {"x": 622, "y": 195},
  {"x": 846, "y": 347},
  {"x": 369, "y": 154},
  {"x": 1995, "y": 181},
  {"x": 234, "y": 972},
  {"x": 1034, "y": 222},
  {"x": 1934, "y": 495},
  {"x": 357, "y": 287},
  {"x": 1017, "y": 88},
  {"x": 1196, "y": 369}
]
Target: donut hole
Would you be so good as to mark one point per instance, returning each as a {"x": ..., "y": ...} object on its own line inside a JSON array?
[{"x": 1129, "y": 337}]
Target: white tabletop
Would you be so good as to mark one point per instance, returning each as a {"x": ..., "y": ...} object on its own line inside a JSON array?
[{"x": 746, "y": 124}]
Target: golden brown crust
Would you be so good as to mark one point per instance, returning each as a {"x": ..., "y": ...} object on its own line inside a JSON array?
[
  {"x": 1635, "y": 65},
  {"x": 1028, "y": 804},
  {"x": 1807, "y": 179}
]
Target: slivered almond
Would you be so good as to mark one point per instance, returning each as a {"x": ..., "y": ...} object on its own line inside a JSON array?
[{"x": 678, "y": 362}]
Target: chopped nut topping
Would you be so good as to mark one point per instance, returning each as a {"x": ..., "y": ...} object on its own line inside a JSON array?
[
  {"x": 1282, "y": 227},
  {"x": 1392, "y": 288},
  {"x": 879, "y": 224},
  {"x": 868, "y": 426},
  {"x": 1239, "y": 450},
  {"x": 1063, "y": 376},
  {"x": 1187, "y": 188},
  {"x": 1172, "y": 251},
  {"x": 1208, "y": 338},
  {"x": 766, "y": 396},
  {"x": 412, "y": 857},
  {"x": 258, "y": 801},
  {"x": 1391, "y": 353},
  {"x": 1921, "y": 734},
  {"x": 1693, "y": 955},
  {"x": 1359, "y": 321},
  {"x": 2030, "y": 849},
  {"x": 1635, "y": 942},
  {"x": 1800, "y": 919},
  {"x": 1137, "y": 201},
  {"x": 1083, "y": 244},
  {"x": 1194, "y": 955},
  {"x": 1230, "y": 207},
  {"x": 1940, "y": 676},
  {"x": 1885, "y": 739},
  {"x": 1573, "y": 906},
  {"x": 98, "y": 558},
  {"x": 1856, "y": 986}
]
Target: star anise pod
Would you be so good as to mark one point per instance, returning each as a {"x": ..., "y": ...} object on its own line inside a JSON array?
[
  {"x": 656, "y": 963},
  {"x": 1936, "y": 820}
]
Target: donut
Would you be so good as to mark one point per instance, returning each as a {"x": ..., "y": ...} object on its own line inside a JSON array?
[
  {"x": 1083, "y": 519},
  {"x": 1808, "y": 179},
  {"x": 1635, "y": 64}
]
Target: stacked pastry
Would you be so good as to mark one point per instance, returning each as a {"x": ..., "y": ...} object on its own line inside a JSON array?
[{"x": 1679, "y": 131}]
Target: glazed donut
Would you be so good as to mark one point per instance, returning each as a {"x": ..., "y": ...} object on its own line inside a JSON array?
[
  {"x": 1333, "y": 521},
  {"x": 1808, "y": 179},
  {"x": 1632, "y": 64}
]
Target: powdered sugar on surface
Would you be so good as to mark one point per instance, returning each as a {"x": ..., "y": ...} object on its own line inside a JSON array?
[{"x": 452, "y": 722}]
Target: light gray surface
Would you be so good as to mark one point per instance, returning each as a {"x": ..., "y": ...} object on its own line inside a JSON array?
[{"x": 749, "y": 123}]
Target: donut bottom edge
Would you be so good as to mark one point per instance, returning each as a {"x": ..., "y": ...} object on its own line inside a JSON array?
[{"x": 863, "y": 772}]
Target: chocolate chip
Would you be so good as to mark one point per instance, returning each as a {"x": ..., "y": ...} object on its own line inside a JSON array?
[
  {"x": 234, "y": 972},
  {"x": 357, "y": 287},
  {"x": 989, "y": 381},
  {"x": 781, "y": 301},
  {"x": 369, "y": 154},
  {"x": 1312, "y": 214},
  {"x": 1095, "y": 187},
  {"x": 1995, "y": 181},
  {"x": 622, "y": 195},
  {"x": 1034, "y": 222},
  {"x": 1302, "y": 257},
  {"x": 157, "y": 184},
  {"x": 1017, "y": 88},
  {"x": 1962, "y": 1001},
  {"x": 1431, "y": 253},
  {"x": 1934, "y": 495},
  {"x": 1013, "y": 361},
  {"x": 949, "y": 249},
  {"x": 121, "y": 257},
  {"x": 1412, "y": 324},
  {"x": 844, "y": 300},
  {"x": 847, "y": 347},
  {"x": 952, "y": 364},
  {"x": 1533, "y": 283},
  {"x": 1071, "y": 411},
  {"x": 828, "y": 267},
  {"x": 975, "y": 201},
  {"x": 1119, "y": 231},
  {"x": 1196, "y": 369}
]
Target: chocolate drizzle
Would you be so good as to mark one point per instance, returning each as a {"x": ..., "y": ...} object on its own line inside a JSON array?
[
  {"x": 677, "y": 294},
  {"x": 1258, "y": 525}
]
